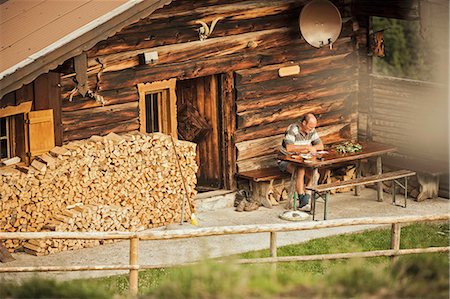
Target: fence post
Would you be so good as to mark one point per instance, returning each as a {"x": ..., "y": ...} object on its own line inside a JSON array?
[
  {"x": 133, "y": 276},
  {"x": 273, "y": 244},
  {"x": 395, "y": 238},
  {"x": 273, "y": 252}
]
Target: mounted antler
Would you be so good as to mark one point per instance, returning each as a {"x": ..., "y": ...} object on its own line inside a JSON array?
[{"x": 204, "y": 31}]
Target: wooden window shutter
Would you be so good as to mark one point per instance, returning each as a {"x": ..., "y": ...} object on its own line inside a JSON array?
[{"x": 40, "y": 132}]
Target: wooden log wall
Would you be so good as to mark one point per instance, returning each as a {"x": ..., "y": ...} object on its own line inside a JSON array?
[
  {"x": 253, "y": 39},
  {"x": 411, "y": 115},
  {"x": 266, "y": 103}
]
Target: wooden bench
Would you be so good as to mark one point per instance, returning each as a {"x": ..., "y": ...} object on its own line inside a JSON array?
[
  {"x": 428, "y": 173},
  {"x": 261, "y": 184},
  {"x": 325, "y": 189}
]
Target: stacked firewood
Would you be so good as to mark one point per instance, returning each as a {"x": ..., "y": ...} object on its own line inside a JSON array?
[
  {"x": 129, "y": 182},
  {"x": 340, "y": 174}
]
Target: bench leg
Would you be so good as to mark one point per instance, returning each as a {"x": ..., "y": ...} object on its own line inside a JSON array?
[
  {"x": 379, "y": 184},
  {"x": 406, "y": 190},
  {"x": 325, "y": 205},
  {"x": 313, "y": 204},
  {"x": 262, "y": 192},
  {"x": 358, "y": 175},
  {"x": 394, "y": 192},
  {"x": 429, "y": 186}
]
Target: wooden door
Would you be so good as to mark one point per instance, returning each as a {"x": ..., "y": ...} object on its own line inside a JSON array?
[{"x": 199, "y": 122}]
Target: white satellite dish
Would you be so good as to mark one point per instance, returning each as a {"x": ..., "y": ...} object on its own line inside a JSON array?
[{"x": 320, "y": 23}]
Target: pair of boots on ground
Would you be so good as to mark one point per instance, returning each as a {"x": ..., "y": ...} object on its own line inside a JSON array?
[{"x": 244, "y": 202}]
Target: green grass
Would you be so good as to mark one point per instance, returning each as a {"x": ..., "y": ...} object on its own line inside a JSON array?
[{"x": 417, "y": 276}]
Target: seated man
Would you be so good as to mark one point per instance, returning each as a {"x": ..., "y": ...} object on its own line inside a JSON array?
[{"x": 301, "y": 138}]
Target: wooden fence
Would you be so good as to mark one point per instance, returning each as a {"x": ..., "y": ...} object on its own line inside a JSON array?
[{"x": 273, "y": 229}]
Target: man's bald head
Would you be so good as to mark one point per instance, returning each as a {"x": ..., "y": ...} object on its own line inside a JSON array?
[
  {"x": 309, "y": 123},
  {"x": 310, "y": 119}
]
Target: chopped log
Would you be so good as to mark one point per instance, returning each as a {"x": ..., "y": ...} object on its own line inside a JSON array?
[
  {"x": 41, "y": 167},
  {"x": 5, "y": 256},
  {"x": 11, "y": 161},
  {"x": 59, "y": 151}
]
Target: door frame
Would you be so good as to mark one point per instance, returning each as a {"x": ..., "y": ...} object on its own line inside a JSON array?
[{"x": 227, "y": 110}]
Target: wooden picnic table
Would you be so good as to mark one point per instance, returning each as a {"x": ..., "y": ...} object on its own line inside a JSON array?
[{"x": 333, "y": 158}]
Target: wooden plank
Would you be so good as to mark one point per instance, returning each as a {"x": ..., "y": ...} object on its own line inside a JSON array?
[
  {"x": 287, "y": 84},
  {"x": 80, "y": 119},
  {"x": 343, "y": 86},
  {"x": 308, "y": 66},
  {"x": 249, "y": 119},
  {"x": 40, "y": 131},
  {"x": 110, "y": 97},
  {"x": 257, "y": 163},
  {"x": 25, "y": 94},
  {"x": 204, "y": 165},
  {"x": 24, "y": 107},
  {"x": 55, "y": 104},
  {"x": 80, "y": 65},
  {"x": 388, "y": 176},
  {"x": 8, "y": 99},
  {"x": 41, "y": 92},
  {"x": 228, "y": 131},
  {"x": 369, "y": 150},
  {"x": 215, "y": 146},
  {"x": 47, "y": 95},
  {"x": 263, "y": 175},
  {"x": 125, "y": 126}
]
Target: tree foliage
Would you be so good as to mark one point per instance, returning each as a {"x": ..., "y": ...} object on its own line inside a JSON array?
[{"x": 407, "y": 53}]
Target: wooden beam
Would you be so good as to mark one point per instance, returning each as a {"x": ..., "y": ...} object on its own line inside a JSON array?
[
  {"x": 24, "y": 107},
  {"x": 228, "y": 131},
  {"x": 80, "y": 64}
]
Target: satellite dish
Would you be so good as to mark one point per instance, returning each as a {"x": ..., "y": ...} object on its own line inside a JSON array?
[{"x": 320, "y": 23}]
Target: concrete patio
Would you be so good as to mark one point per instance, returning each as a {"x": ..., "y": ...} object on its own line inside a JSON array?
[{"x": 343, "y": 205}]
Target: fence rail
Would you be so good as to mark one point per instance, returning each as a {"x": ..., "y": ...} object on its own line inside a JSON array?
[{"x": 273, "y": 229}]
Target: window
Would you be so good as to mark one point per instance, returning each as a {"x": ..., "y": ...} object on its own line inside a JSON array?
[
  {"x": 5, "y": 143},
  {"x": 25, "y": 133},
  {"x": 152, "y": 104},
  {"x": 157, "y": 107}
]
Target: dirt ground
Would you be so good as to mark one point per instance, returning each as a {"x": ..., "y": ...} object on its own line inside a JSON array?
[{"x": 344, "y": 205}]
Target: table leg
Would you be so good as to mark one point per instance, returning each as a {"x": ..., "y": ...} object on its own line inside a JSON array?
[
  {"x": 379, "y": 184},
  {"x": 315, "y": 180},
  {"x": 293, "y": 181},
  {"x": 358, "y": 175}
]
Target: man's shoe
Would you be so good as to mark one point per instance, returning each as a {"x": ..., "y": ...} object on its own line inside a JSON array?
[
  {"x": 240, "y": 207},
  {"x": 303, "y": 200},
  {"x": 251, "y": 206},
  {"x": 305, "y": 208}
]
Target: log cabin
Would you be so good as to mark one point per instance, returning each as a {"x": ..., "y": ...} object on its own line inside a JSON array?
[{"x": 206, "y": 71}]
